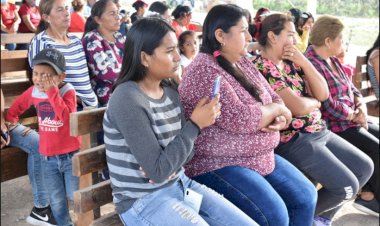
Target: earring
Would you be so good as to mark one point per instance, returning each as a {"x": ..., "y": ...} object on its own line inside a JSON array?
[{"x": 222, "y": 44}]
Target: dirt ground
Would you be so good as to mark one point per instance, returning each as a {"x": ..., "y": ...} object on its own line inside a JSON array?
[{"x": 16, "y": 204}]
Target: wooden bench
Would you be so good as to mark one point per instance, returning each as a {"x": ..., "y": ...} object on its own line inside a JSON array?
[
  {"x": 14, "y": 81},
  {"x": 24, "y": 38},
  {"x": 363, "y": 84},
  {"x": 86, "y": 164}
]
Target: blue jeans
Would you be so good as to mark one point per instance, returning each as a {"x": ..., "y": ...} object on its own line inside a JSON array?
[
  {"x": 30, "y": 144},
  {"x": 61, "y": 185},
  {"x": 167, "y": 207},
  {"x": 284, "y": 197},
  {"x": 9, "y": 46}
]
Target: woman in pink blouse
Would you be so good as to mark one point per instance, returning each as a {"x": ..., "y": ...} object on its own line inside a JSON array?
[
  {"x": 235, "y": 156},
  {"x": 103, "y": 45},
  {"x": 330, "y": 160},
  {"x": 344, "y": 111}
]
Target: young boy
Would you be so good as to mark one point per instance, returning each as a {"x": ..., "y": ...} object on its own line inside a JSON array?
[{"x": 54, "y": 101}]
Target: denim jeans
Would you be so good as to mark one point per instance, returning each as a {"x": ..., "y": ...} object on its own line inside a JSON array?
[
  {"x": 61, "y": 185},
  {"x": 9, "y": 46},
  {"x": 166, "y": 207},
  {"x": 284, "y": 197},
  {"x": 30, "y": 144},
  {"x": 338, "y": 166}
]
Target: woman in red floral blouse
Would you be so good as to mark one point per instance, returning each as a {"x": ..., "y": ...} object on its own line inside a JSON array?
[{"x": 330, "y": 160}]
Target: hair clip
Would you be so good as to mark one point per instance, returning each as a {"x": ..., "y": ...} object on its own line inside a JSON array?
[{"x": 216, "y": 53}]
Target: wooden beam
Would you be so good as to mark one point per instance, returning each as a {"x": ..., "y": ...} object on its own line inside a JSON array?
[
  {"x": 13, "y": 163},
  {"x": 84, "y": 122},
  {"x": 92, "y": 197},
  {"x": 88, "y": 161},
  {"x": 110, "y": 219}
]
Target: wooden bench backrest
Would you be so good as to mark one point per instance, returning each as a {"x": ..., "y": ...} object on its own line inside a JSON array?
[
  {"x": 363, "y": 84},
  {"x": 24, "y": 38},
  {"x": 14, "y": 81},
  {"x": 89, "y": 160}
]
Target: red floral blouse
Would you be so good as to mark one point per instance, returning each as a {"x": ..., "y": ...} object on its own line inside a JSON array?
[{"x": 291, "y": 76}]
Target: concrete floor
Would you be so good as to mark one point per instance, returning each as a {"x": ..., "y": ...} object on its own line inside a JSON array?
[{"x": 16, "y": 204}]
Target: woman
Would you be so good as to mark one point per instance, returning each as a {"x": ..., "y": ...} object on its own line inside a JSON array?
[
  {"x": 373, "y": 69},
  {"x": 260, "y": 16},
  {"x": 161, "y": 8},
  {"x": 103, "y": 45},
  {"x": 307, "y": 143},
  {"x": 140, "y": 7},
  {"x": 235, "y": 155},
  {"x": 343, "y": 110},
  {"x": 147, "y": 131},
  {"x": 77, "y": 17},
  {"x": 182, "y": 17},
  {"x": 10, "y": 21},
  {"x": 52, "y": 33},
  {"x": 30, "y": 17},
  {"x": 302, "y": 35}
]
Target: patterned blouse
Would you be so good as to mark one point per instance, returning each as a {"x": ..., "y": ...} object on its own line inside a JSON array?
[
  {"x": 104, "y": 60},
  {"x": 291, "y": 76},
  {"x": 336, "y": 108},
  {"x": 234, "y": 139}
]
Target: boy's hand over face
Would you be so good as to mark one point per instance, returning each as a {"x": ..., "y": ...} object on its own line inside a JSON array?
[{"x": 48, "y": 82}]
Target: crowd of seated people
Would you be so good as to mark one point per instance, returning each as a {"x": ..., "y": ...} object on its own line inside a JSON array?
[{"x": 281, "y": 117}]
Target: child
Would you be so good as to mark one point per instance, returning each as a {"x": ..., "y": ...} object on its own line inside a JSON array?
[
  {"x": 188, "y": 47},
  {"x": 54, "y": 101},
  {"x": 28, "y": 140}
]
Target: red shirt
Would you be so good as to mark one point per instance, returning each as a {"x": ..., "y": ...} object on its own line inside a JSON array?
[
  {"x": 8, "y": 16},
  {"x": 53, "y": 112},
  {"x": 77, "y": 22},
  {"x": 34, "y": 16},
  {"x": 179, "y": 29}
]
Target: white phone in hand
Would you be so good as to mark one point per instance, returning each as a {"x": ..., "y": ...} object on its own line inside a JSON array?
[{"x": 216, "y": 87}]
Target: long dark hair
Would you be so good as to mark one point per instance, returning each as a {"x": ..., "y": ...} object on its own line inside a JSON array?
[
  {"x": 158, "y": 7},
  {"x": 224, "y": 17},
  {"x": 144, "y": 36},
  {"x": 96, "y": 10},
  {"x": 375, "y": 46}
]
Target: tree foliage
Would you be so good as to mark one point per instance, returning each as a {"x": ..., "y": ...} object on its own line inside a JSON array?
[{"x": 348, "y": 8}]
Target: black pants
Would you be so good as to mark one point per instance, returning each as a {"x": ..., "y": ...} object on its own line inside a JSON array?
[{"x": 368, "y": 142}]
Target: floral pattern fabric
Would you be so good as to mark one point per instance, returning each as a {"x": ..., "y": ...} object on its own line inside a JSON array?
[
  {"x": 104, "y": 61},
  {"x": 291, "y": 76}
]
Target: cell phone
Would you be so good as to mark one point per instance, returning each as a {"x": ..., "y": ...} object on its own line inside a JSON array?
[
  {"x": 216, "y": 87},
  {"x": 193, "y": 199}
]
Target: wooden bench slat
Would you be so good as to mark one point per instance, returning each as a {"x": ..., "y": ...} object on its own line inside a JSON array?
[
  {"x": 90, "y": 160},
  {"x": 13, "y": 163},
  {"x": 85, "y": 122},
  {"x": 93, "y": 197},
  {"x": 22, "y": 38},
  {"x": 110, "y": 219}
]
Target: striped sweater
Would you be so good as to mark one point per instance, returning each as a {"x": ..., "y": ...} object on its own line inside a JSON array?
[
  {"x": 149, "y": 133},
  {"x": 76, "y": 64}
]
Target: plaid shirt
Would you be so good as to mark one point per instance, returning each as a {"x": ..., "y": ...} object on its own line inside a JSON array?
[{"x": 336, "y": 108}]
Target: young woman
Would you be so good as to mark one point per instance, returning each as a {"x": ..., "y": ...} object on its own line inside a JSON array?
[
  {"x": 140, "y": 7},
  {"x": 235, "y": 155},
  {"x": 341, "y": 168},
  {"x": 182, "y": 17},
  {"x": 77, "y": 20},
  {"x": 148, "y": 140},
  {"x": 344, "y": 111}
]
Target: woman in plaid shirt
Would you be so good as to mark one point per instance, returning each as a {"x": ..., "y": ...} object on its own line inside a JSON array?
[{"x": 343, "y": 110}]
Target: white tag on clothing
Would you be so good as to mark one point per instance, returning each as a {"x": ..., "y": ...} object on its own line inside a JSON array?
[{"x": 193, "y": 199}]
